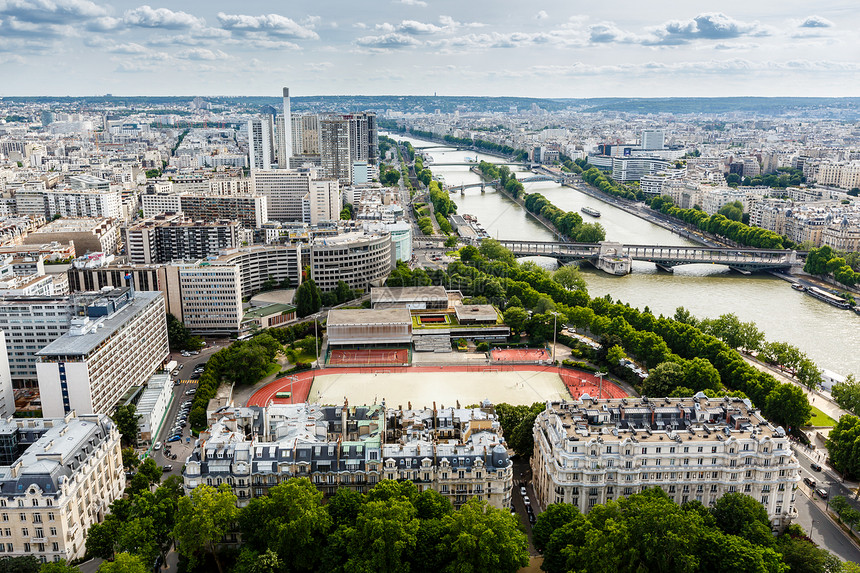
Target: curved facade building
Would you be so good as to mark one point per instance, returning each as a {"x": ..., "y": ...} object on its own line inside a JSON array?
[{"x": 360, "y": 260}]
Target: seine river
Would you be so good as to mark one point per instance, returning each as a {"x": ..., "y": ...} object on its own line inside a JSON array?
[{"x": 831, "y": 337}]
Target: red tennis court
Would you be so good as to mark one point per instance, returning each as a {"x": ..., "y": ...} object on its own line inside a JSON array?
[
  {"x": 398, "y": 356},
  {"x": 519, "y": 354}
]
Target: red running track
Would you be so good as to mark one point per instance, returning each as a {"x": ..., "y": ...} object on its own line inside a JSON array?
[
  {"x": 577, "y": 382},
  {"x": 519, "y": 354}
]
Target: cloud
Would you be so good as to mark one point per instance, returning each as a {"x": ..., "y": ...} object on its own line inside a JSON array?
[
  {"x": 816, "y": 22},
  {"x": 707, "y": 26},
  {"x": 542, "y": 15},
  {"x": 51, "y": 11},
  {"x": 420, "y": 3},
  {"x": 393, "y": 41},
  {"x": 201, "y": 54},
  {"x": 148, "y": 17},
  {"x": 607, "y": 33},
  {"x": 274, "y": 24},
  {"x": 418, "y": 28}
]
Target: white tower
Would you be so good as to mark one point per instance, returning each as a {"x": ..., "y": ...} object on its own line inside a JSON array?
[{"x": 288, "y": 129}]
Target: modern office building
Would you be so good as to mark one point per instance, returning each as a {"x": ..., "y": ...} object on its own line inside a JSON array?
[
  {"x": 210, "y": 296},
  {"x": 172, "y": 237},
  {"x": 322, "y": 203},
  {"x": 117, "y": 344},
  {"x": 261, "y": 142},
  {"x": 458, "y": 452},
  {"x": 69, "y": 202},
  {"x": 365, "y": 326},
  {"x": 360, "y": 260},
  {"x": 7, "y": 396},
  {"x": 588, "y": 452},
  {"x": 58, "y": 477},
  {"x": 335, "y": 150},
  {"x": 287, "y": 189},
  {"x": 653, "y": 139}
]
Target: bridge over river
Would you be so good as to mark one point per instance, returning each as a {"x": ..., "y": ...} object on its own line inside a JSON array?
[{"x": 616, "y": 258}]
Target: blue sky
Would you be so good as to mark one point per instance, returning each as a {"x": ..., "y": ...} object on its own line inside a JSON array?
[{"x": 414, "y": 47}]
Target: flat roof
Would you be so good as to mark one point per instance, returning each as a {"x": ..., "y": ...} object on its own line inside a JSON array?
[
  {"x": 269, "y": 309},
  {"x": 82, "y": 344},
  {"x": 345, "y": 317},
  {"x": 482, "y": 312},
  {"x": 408, "y": 294}
]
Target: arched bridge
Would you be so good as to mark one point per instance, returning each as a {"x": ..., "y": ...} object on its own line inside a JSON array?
[{"x": 495, "y": 182}]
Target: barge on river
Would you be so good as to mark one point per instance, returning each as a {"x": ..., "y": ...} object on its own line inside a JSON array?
[{"x": 830, "y": 299}]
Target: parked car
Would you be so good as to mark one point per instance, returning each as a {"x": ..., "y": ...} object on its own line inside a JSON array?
[
  {"x": 191, "y": 392},
  {"x": 815, "y": 467},
  {"x": 174, "y": 438},
  {"x": 810, "y": 482},
  {"x": 532, "y": 518},
  {"x": 523, "y": 491},
  {"x": 167, "y": 468},
  {"x": 157, "y": 446},
  {"x": 822, "y": 493},
  {"x": 526, "y": 500}
]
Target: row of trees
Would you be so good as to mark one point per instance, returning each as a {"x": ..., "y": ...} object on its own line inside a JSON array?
[
  {"x": 648, "y": 531},
  {"x": 393, "y": 527},
  {"x": 518, "y": 154},
  {"x": 179, "y": 337},
  {"x": 442, "y": 202},
  {"x": 843, "y": 446},
  {"x": 568, "y": 223},
  {"x": 824, "y": 261},
  {"x": 507, "y": 180},
  {"x": 597, "y": 178},
  {"x": 720, "y": 225}
]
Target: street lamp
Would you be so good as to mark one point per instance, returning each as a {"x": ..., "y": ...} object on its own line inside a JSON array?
[
  {"x": 600, "y": 376},
  {"x": 554, "y": 330}
]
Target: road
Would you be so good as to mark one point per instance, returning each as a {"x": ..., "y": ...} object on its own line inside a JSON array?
[{"x": 825, "y": 533}]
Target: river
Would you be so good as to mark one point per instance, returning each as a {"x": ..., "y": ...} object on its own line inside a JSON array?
[{"x": 829, "y": 336}]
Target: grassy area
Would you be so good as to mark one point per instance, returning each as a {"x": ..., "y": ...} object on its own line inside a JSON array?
[
  {"x": 273, "y": 368},
  {"x": 304, "y": 357},
  {"x": 819, "y": 418}
]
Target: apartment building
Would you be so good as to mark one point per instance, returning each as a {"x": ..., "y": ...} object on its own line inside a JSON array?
[
  {"x": 287, "y": 190},
  {"x": 89, "y": 235},
  {"x": 360, "y": 260},
  {"x": 171, "y": 237},
  {"x": 250, "y": 210},
  {"x": 458, "y": 452},
  {"x": 30, "y": 323},
  {"x": 589, "y": 451},
  {"x": 118, "y": 343},
  {"x": 7, "y": 396},
  {"x": 58, "y": 477},
  {"x": 210, "y": 296},
  {"x": 335, "y": 151}
]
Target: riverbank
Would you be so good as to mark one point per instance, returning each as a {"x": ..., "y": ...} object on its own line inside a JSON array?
[{"x": 441, "y": 141}]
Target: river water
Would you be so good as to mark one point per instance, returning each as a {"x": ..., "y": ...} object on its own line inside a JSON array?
[{"x": 829, "y": 336}]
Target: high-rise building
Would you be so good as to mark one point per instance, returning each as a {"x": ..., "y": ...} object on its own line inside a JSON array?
[
  {"x": 363, "y": 136},
  {"x": 60, "y": 475},
  {"x": 261, "y": 142},
  {"x": 249, "y": 209},
  {"x": 322, "y": 203},
  {"x": 287, "y": 133},
  {"x": 653, "y": 139},
  {"x": 335, "y": 150},
  {"x": 286, "y": 190},
  {"x": 7, "y": 397},
  {"x": 118, "y": 343}
]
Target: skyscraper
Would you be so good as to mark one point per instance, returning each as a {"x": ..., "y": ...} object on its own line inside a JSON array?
[
  {"x": 335, "y": 151},
  {"x": 653, "y": 139},
  {"x": 287, "y": 136},
  {"x": 261, "y": 142},
  {"x": 363, "y": 136}
]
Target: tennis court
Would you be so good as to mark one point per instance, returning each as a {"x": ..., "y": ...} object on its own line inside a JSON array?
[
  {"x": 519, "y": 354},
  {"x": 359, "y": 356}
]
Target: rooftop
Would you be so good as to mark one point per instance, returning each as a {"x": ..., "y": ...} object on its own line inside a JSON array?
[
  {"x": 407, "y": 294},
  {"x": 268, "y": 310},
  {"x": 102, "y": 328},
  {"x": 343, "y": 317}
]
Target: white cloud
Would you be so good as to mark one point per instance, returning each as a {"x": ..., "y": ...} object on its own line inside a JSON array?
[
  {"x": 542, "y": 15},
  {"x": 147, "y": 17},
  {"x": 420, "y": 3},
  {"x": 391, "y": 41},
  {"x": 51, "y": 11},
  {"x": 270, "y": 23},
  {"x": 816, "y": 22},
  {"x": 201, "y": 54}
]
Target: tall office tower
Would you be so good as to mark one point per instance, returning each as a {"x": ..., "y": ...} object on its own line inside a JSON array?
[
  {"x": 363, "y": 136},
  {"x": 287, "y": 134},
  {"x": 653, "y": 139},
  {"x": 310, "y": 130},
  {"x": 335, "y": 152},
  {"x": 261, "y": 142},
  {"x": 286, "y": 191}
]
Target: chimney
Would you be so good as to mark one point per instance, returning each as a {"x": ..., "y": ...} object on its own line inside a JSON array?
[{"x": 288, "y": 128}]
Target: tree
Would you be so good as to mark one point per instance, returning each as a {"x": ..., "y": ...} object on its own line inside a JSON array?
[
  {"x": 808, "y": 374},
  {"x": 733, "y": 211},
  {"x": 130, "y": 460},
  {"x": 343, "y": 292},
  {"x": 556, "y": 516},
  {"x": 570, "y": 278},
  {"x": 202, "y": 519},
  {"x": 384, "y": 536},
  {"x": 125, "y": 417},
  {"x": 615, "y": 355},
  {"x": 124, "y": 563},
  {"x": 787, "y": 405},
  {"x": 251, "y": 561},
  {"x": 308, "y": 298},
  {"x": 101, "y": 538},
  {"x": 494, "y": 251},
  {"x": 663, "y": 379},
  {"x": 483, "y": 538},
  {"x": 739, "y": 514},
  {"x": 291, "y": 520},
  {"x": 847, "y": 394},
  {"x": 700, "y": 374},
  {"x": 23, "y": 564},
  {"x": 451, "y": 242},
  {"x": 516, "y": 318},
  {"x": 843, "y": 446},
  {"x": 179, "y": 337},
  {"x": 150, "y": 469}
]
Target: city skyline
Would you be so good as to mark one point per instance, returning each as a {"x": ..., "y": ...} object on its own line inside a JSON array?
[{"x": 418, "y": 47}]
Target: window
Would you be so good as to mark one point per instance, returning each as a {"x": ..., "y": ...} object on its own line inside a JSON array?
[
  {"x": 37, "y": 518},
  {"x": 27, "y": 548},
  {"x": 50, "y": 515},
  {"x": 53, "y": 531}
]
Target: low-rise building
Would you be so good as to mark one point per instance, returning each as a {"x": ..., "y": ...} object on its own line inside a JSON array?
[
  {"x": 89, "y": 235},
  {"x": 458, "y": 452},
  {"x": 58, "y": 477},
  {"x": 352, "y": 327},
  {"x": 152, "y": 406},
  {"x": 588, "y": 452}
]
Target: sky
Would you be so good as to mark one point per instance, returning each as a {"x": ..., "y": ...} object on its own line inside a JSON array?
[{"x": 564, "y": 48}]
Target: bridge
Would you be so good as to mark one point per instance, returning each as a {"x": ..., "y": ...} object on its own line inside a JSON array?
[
  {"x": 469, "y": 164},
  {"x": 614, "y": 257},
  {"x": 494, "y": 182}
]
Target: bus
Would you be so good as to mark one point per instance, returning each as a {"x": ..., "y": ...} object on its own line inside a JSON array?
[{"x": 284, "y": 395}]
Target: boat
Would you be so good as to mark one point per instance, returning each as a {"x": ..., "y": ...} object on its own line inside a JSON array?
[
  {"x": 590, "y": 211},
  {"x": 798, "y": 286},
  {"x": 830, "y": 299}
]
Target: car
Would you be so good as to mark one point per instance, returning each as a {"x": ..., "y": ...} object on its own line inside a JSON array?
[
  {"x": 529, "y": 509},
  {"x": 185, "y": 354},
  {"x": 523, "y": 491},
  {"x": 194, "y": 353},
  {"x": 180, "y": 367},
  {"x": 195, "y": 376},
  {"x": 167, "y": 468},
  {"x": 810, "y": 482},
  {"x": 815, "y": 467},
  {"x": 157, "y": 446},
  {"x": 191, "y": 392},
  {"x": 526, "y": 500},
  {"x": 532, "y": 518},
  {"x": 822, "y": 493},
  {"x": 174, "y": 438}
]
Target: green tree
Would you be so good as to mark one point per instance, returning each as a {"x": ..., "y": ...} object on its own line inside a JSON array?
[
  {"x": 570, "y": 277},
  {"x": 179, "y": 337},
  {"x": 663, "y": 379},
  {"x": 130, "y": 460},
  {"x": 125, "y": 418},
  {"x": 516, "y": 318},
  {"x": 615, "y": 355},
  {"x": 308, "y": 298},
  {"x": 101, "y": 538},
  {"x": 124, "y": 563},
  {"x": 484, "y": 539},
  {"x": 700, "y": 374},
  {"x": 451, "y": 242},
  {"x": 384, "y": 536},
  {"x": 843, "y": 446},
  {"x": 343, "y": 292},
  {"x": 733, "y": 211},
  {"x": 494, "y": 251},
  {"x": 251, "y": 561},
  {"x": 556, "y": 516},
  {"x": 847, "y": 394},
  {"x": 291, "y": 520},
  {"x": 808, "y": 374},
  {"x": 149, "y": 468},
  {"x": 202, "y": 519},
  {"x": 23, "y": 564},
  {"x": 741, "y": 515},
  {"x": 787, "y": 405}
]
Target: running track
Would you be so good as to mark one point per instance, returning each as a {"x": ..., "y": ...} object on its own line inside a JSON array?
[{"x": 577, "y": 382}]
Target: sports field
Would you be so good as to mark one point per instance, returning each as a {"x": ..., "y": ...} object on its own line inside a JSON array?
[
  {"x": 365, "y": 356},
  {"x": 519, "y": 354}
]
